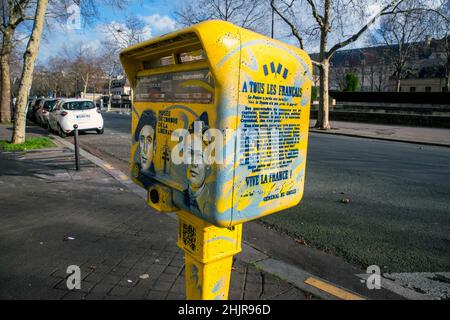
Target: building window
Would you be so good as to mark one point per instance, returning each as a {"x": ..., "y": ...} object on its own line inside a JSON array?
[
  {"x": 427, "y": 89},
  {"x": 412, "y": 89},
  {"x": 444, "y": 89}
]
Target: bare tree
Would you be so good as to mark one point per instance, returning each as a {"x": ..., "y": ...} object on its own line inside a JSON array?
[
  {"x": 446, "y": 48},
  {"x": 12, "y": 14},
  {"x": 245, "y": 13},
  {"x": 29, "y": 58},
  {"x": 401, "y": 33},
  {"x": 123, "y": 35},
  {"x": 344, "y": 21},
  {"x": 117, "y": 37},
  {"x": 441, "y": 30},
  {"x": 111, "y": 67},
  {"x": 83, "y": 64}
]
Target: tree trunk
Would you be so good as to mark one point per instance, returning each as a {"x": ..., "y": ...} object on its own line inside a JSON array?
[
  {"x": 322, "y": 115},
  {"x": 5, "y": 106},
  {"x": 324, "y": 108},
  {"x": 85, "y": 85},
  {"x": 109, "y": 93},
  {"x": 447, "y": 83},
  {"x": 29, "y": 58},
  {"x": 447, "y": 73},
  {"x": 398, "y": 84}
]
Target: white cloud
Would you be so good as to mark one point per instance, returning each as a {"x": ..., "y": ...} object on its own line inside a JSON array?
[
  {"x": 158, "y": 24},
  {"x": 58, "y": 36}
]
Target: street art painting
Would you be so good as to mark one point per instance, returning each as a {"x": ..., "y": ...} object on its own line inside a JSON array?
[{"x": 221, "y": 127}]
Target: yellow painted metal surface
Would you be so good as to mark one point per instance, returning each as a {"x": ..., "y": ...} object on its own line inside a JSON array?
[
  {"x": 209, "y": 254},
  {"x": 206, "y": 242},
  {"x": 238, "y": 82},
  {"x": 207, "y": 281},
  {"x": 333, "y": 290}
]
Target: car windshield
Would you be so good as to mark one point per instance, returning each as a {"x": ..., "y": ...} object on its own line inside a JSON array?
[
  {"x": 78, "y": 105},
  {"x": 49, "y": 104}
]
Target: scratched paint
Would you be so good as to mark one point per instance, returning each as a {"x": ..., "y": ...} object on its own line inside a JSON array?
[{"x": 243, "y": 81}]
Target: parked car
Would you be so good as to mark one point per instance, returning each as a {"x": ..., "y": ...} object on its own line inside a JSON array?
[
  {"x": 35, "y": 104},
  {"x": 44, "y": 110},
  {"x": 68, "y": 112},
  {"x": 29, "y": 111}
]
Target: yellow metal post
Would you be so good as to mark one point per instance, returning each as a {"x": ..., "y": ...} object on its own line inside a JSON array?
[{"x": 209, "y": 252}]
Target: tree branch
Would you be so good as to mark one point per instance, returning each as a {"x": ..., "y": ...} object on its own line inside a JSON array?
[
  {"x": 316, "y": 63},
  {"x": 290, "y": 24},
  {"x": 394, "y": 4},
  {"x": 440, "y": 14},
  {"x": 316, "y": 15}
]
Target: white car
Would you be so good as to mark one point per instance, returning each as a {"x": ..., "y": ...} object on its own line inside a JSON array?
[{"x": 69, "y": 112}]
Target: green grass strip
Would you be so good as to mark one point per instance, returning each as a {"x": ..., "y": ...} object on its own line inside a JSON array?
[{"x": 30, "y": 144}]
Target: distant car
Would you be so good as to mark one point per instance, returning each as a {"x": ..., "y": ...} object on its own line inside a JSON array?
[
  {"x": 29, "y": 111},
  {"x": 44, "y": 110},
  {"x": 34, "y": 107},
  {"x": 68, "y": 112}
]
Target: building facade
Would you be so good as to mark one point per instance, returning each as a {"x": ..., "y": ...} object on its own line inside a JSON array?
[{"x": 425, "y": 71}]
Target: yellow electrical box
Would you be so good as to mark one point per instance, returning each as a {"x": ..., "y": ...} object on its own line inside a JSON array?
[{"x": 220, "y": 122}]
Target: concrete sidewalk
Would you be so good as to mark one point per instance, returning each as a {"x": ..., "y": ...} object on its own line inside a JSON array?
[
  {"x": 53, "y": 217},
  {"x": 420, "y": 135},
  {"x": 118, "y": 239}
]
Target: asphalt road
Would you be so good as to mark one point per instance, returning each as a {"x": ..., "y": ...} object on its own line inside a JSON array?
[{"x": 398, "y": 216}]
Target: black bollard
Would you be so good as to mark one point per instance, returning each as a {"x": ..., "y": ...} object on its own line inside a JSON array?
[{"x": 77, "y": 152}]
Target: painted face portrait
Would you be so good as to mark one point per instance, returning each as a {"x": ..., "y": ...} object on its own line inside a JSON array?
[
  {"x": 146, "y": 146},
  {"x": 197, "y": 197},
  {"x": 144, "y": 137},
  {"x": 196, "y": 171}
]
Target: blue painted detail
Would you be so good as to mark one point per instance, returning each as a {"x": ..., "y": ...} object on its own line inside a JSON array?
[
  {"x": 305, "y": 100},
  {"x": 185, "y": 108},
  {"x": 279, "y": 68},
  {"x": 218, "y": 285},
  {"x": 272, "y": 67},
  {"x": 221, "y": 238},
  {"x": 285, "y": 73},
  {"x": 195, "y": 277},
  {"x": 271, "y": 44},
  {"x": 254, "y": 63},
  {"x": 194, "y": 271},
  {"x": 266, "y": 72}
]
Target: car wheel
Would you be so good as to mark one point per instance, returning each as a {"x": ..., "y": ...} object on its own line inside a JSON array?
[
  {"x": 61, "y": 132},
  {"x": 100, "y": 131}
]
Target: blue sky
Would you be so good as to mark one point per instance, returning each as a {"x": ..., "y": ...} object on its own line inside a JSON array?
[{"x": 158, "y": 16}]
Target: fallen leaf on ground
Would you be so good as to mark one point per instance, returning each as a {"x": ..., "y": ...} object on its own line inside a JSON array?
[
  {"x": 301, "y": 241},
  {"x": 345, "y": 200},
  {"x": 144, "y": 276}
]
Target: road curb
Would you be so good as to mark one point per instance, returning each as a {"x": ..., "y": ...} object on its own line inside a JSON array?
[
  {"x": 250, "y": 254},
  {"x": 435, "y": 144}
]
